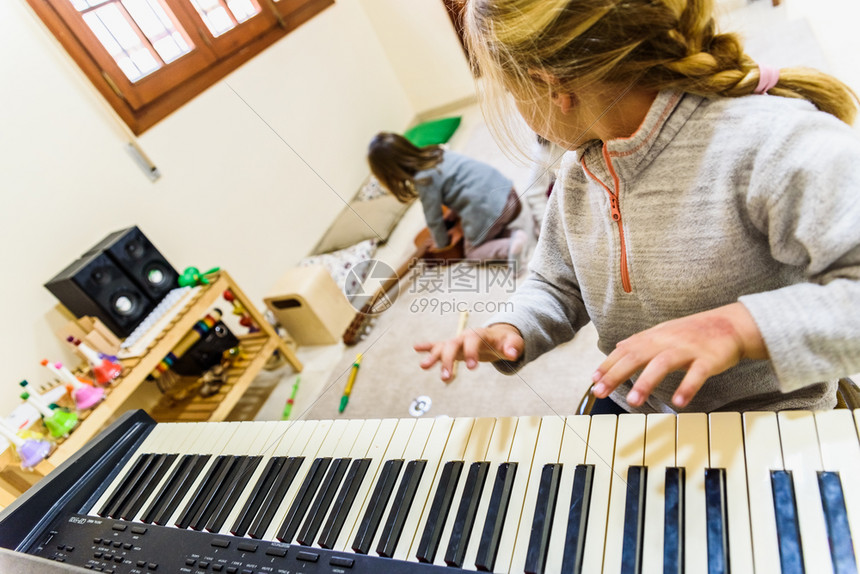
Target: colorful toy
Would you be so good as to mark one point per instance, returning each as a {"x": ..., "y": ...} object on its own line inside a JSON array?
[
  {"x": 30, "y": 451},
  {"x": 58, "y": 422},
  {"x": 195, "y": 334},
  {"x": 103, "y": 368},
  {"x": 86, "y": 395},
  {"x": 288, "y": 408},
  {"x": 192, "y": 277},
  {"x": 239, "y": 309}
]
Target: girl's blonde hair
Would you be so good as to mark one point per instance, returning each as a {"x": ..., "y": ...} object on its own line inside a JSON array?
[
  {"x": 652, "y": 44},
  {"x": 394, "y": 161}
]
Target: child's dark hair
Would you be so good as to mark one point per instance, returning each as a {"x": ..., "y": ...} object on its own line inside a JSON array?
[{"x": 394, "y": 161}]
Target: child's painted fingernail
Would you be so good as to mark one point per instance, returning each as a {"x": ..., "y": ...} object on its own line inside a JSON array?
[
  {"x": 596, "y": 376},
  {"x": 599, "y": 389},
  {"x": 471, "y": 363},
  {"x": 634, "y": 397},
  {"x": 679, "y": 400},
  {"x": 445, "y": 374}
]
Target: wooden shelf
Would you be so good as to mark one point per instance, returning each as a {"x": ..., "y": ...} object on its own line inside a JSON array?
[{"x": 257, "y": 348}]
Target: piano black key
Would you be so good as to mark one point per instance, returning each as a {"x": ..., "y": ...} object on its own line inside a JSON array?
[
  {"x": 163, "y": 495},
  {"x": 439, "y": 511},
  {"x": 214, "y": 495},
  {"x": 238, "y": 482},
  {"x": 257, "y": 496},
  {"x": 542, "y": 521},
  {"x": 496, "y": 512},
  {"x": 323, "y": 501},
  {"x": 634, "y": 520},
  {"x": 181, "y": 482},
  {"x": 400, "y": 508},
  {"x": 717, "y": 520},
  {"x": 836, "y": 518},
  {"x": 343, "y": 503},
  {"x": 787, "y": 528},
  {"x": 577, "y": 519},
  {"x": 203, "y": 492},
  {"x": 378, "y": 501},
  {"x": 465, "y": 518},
  {"x": 161, "y": 464},
  {"x": 126, "y": 487},
  {"x": 303, "y": 500},
  {"x": 673, "y": 522},
  {"x": 270, "y": 506}
]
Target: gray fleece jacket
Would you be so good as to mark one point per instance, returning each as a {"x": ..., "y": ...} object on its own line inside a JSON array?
[
  {"x": 476, "y": 191},
  {"x": 753, "y": 199}
]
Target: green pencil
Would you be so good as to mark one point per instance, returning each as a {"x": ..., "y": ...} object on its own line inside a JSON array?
[{"x": 289, "y": 406}]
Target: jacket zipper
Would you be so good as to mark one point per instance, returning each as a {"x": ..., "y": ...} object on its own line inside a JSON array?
[{"x": 615, "y": 208}]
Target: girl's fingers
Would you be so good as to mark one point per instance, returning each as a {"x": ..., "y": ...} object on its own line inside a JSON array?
[
  {"x": 690, "y": 384},
  {"x": 450, "y": 349},
  {"x": 656, "y": 370},
  {"x": 471, "y": 348},
  {"x": 424, "y": 346}
]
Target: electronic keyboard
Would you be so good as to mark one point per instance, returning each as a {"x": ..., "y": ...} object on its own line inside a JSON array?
[{"x": 691, "y": 493}]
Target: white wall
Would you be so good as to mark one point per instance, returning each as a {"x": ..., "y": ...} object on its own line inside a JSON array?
[
  {"x": 253, "y": 170},
  {"x": 425, "y": 53}
]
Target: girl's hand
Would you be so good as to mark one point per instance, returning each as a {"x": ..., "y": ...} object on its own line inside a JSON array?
[
  {"x": 703, "y": 345},
  {"x": 493, "y": 343}
]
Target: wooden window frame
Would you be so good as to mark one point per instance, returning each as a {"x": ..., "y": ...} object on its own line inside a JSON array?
[{"x": 151, "y": 99}]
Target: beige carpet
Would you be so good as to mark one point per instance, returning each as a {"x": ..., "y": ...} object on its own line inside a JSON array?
[{"x": 390, "y": 378}]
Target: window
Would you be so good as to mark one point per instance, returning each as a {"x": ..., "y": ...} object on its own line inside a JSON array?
[{"x": 149, "y": 57}]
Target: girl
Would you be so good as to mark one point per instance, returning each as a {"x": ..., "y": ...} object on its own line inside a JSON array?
[
  {"x": 484, "y": 199},
  {"x": 705, "y": 218}
]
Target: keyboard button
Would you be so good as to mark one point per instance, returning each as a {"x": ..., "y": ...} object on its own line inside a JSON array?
[
  {"x": 276, "y": 551},
  {"x": 341, "y": 562},
  {"x": 307, "y": 556}
]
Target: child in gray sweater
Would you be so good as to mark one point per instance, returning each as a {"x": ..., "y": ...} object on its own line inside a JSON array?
[
  {"x": 483, "y": 198},
  {"x": 705, "y": 218}
]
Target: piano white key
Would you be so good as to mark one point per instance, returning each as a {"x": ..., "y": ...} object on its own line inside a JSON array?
[
  {"x": 692, "y": 456},
  {"x": 659, "y": 454},
  {"x": 547, "y": 450},
  {"x": 375, "y": 451},
  {"x": 213, "y": 438},
  {"x": 600, "y": 453},
  {"x": 498, "y": 451},
  {"x": 413, "y": 451},
  {"x": 455, "y": 448},
  {"x": 186, "y": 435},
  {"x": 574, "y": 444},
  {"x": 763, "y": 454},
  {"x": 159, "y": 437},
  {"x": 802, "y": 457},
  {"x": 476, "y": 450},
  {"x": 840, "y": 452},
  {"x": 629, "y": 451},
  {"x": 391, "y": 433},
  {"x": 727, "y": 451},
  {"x": 522, "y": 452},
  {"x": 263, "y": 445},
  {"x": 302, "y": 440},
  {"x": 433, "y": 455}
]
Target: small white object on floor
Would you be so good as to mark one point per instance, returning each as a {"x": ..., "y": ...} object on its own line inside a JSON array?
[{"x": 420, "y": 406}]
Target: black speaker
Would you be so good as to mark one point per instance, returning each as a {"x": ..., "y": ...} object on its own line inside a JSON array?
[
  {"x": 94, "y": 285},
  {"x": 207, "y": 352},
  {"x": 141, "y": 261}
]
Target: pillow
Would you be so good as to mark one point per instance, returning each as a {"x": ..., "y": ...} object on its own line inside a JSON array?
[
  {"x": 370, "y": 189},
  {"x": 433, "y": 132},
  {"x": 372, "y": 219},
  {"x": 339, "y": 263}
]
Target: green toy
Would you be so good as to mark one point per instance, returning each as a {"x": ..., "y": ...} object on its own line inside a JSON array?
[
  {"x": 192, "y": 277},
  {"x": 58, "y": 422}
]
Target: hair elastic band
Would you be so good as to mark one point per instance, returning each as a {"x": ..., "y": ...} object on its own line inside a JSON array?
[{"x": 767, "y": 78}]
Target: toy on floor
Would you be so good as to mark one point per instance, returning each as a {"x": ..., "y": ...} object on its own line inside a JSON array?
[
  {"x": 192, "y": 277},
  {"x": 239, "y": 309},
  {"x": 288, "y": 408},
  {"x": 58, "y": 421},
  {"x": 30, "y": 451},
  {"x": 104, "y": 370},
  {"x": 85, "y": 395}
]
